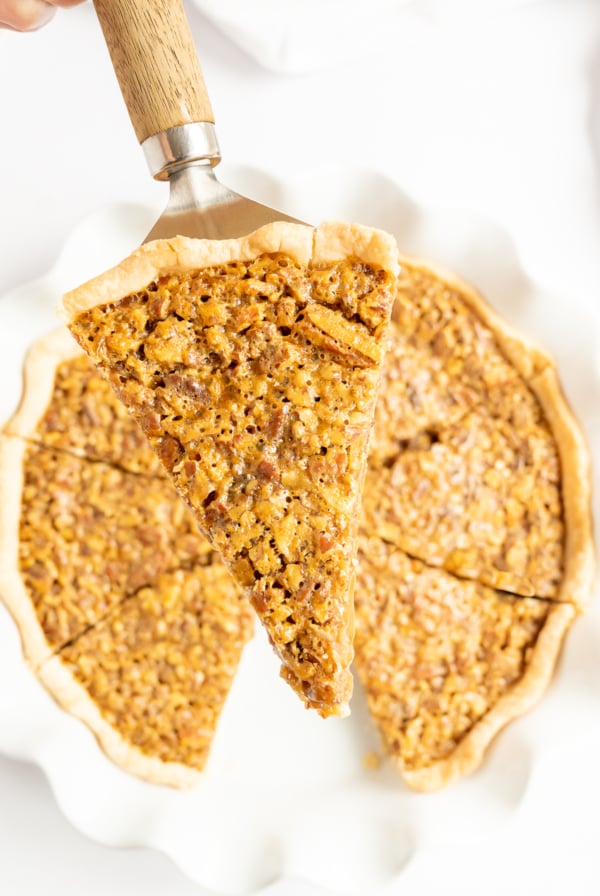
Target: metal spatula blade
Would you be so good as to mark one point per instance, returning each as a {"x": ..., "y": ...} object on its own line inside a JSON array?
[
  {"x": 155, "y": 61},
  {"x": 199, "y": 204}
]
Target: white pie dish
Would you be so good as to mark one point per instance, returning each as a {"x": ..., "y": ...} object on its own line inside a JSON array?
[{"x": 285, "y": 794}]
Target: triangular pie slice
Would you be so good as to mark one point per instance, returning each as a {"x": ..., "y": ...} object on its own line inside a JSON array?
[
  {"x": 150, "y": 679},
  {"x": 493, "y": 484},
  {"x": 480, "y": 497},
  {"x": 66, "y": 404},
  {"x": 252, "y": 366},
  {"x": 76, "y": 537},
  {"x": 446, "y": 663}
]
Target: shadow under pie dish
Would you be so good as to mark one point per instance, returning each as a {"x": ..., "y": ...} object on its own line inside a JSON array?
[{"x": 252, "y": 366}]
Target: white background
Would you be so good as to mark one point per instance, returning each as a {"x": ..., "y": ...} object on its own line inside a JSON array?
[{"x": 465, "y": 106}]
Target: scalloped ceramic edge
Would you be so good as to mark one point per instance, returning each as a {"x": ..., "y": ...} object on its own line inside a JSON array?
[{"x": 285, "y": 795}]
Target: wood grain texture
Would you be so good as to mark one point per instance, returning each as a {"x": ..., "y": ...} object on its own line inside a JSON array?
[{"x": 155, "y": 61}]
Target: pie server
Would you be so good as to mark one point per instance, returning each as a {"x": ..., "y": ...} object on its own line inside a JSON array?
[{"x": 155, "y": 62}]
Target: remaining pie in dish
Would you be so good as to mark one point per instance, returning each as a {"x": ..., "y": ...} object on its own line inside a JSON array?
[
  {"x": 478, "y": 480},
  {"x": 252, "y": 366},
  {"x": 475, "y": 552},
  {"x": 125, "y": 612}
]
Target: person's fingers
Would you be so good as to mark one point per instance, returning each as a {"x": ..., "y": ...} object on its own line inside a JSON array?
[
  {"x": 25, "y": 15},
  {"x": 28, "y": 15}
]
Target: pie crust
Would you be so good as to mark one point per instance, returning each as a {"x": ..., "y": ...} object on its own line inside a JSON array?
[
  {"x": 39, "y": 371},
  {"x": 328, "y": 242},
  {"x": 14, "y": 594}
]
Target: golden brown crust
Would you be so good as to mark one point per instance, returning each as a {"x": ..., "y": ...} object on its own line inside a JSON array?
[
  {"x": 336, "y": 239},
  {"x": 470, "y": 752},
  {"x": 12, "y": 589},
  {"x": 579, "y": 556},
  {"x": 304, "y": 244}
]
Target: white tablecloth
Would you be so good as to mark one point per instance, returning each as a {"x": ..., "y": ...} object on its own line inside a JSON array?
[{"x": 497, "y": 113}]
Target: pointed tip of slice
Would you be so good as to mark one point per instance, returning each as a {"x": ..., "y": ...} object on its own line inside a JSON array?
[
  {"x": 341, "y": 711},
  {"x": 330, "y": 698}
]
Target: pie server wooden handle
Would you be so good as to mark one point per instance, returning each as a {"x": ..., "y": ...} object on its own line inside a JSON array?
[{"x": 155, "y": 61}]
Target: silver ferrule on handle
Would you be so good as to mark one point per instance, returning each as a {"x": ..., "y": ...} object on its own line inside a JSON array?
[{"x": 176, "y": 147}]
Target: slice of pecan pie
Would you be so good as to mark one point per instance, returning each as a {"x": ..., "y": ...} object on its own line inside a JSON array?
[
  {"x": 252, "y": 366},
  {"x": 446, "y": 662},
  {"x": 150, "y": 679}
]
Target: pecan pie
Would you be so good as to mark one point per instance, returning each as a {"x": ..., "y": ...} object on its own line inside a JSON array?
[
  {"x": 252, "y": 366},
  {"x": 475, "y": 552},
  {"x": 476, "y": 548}
]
